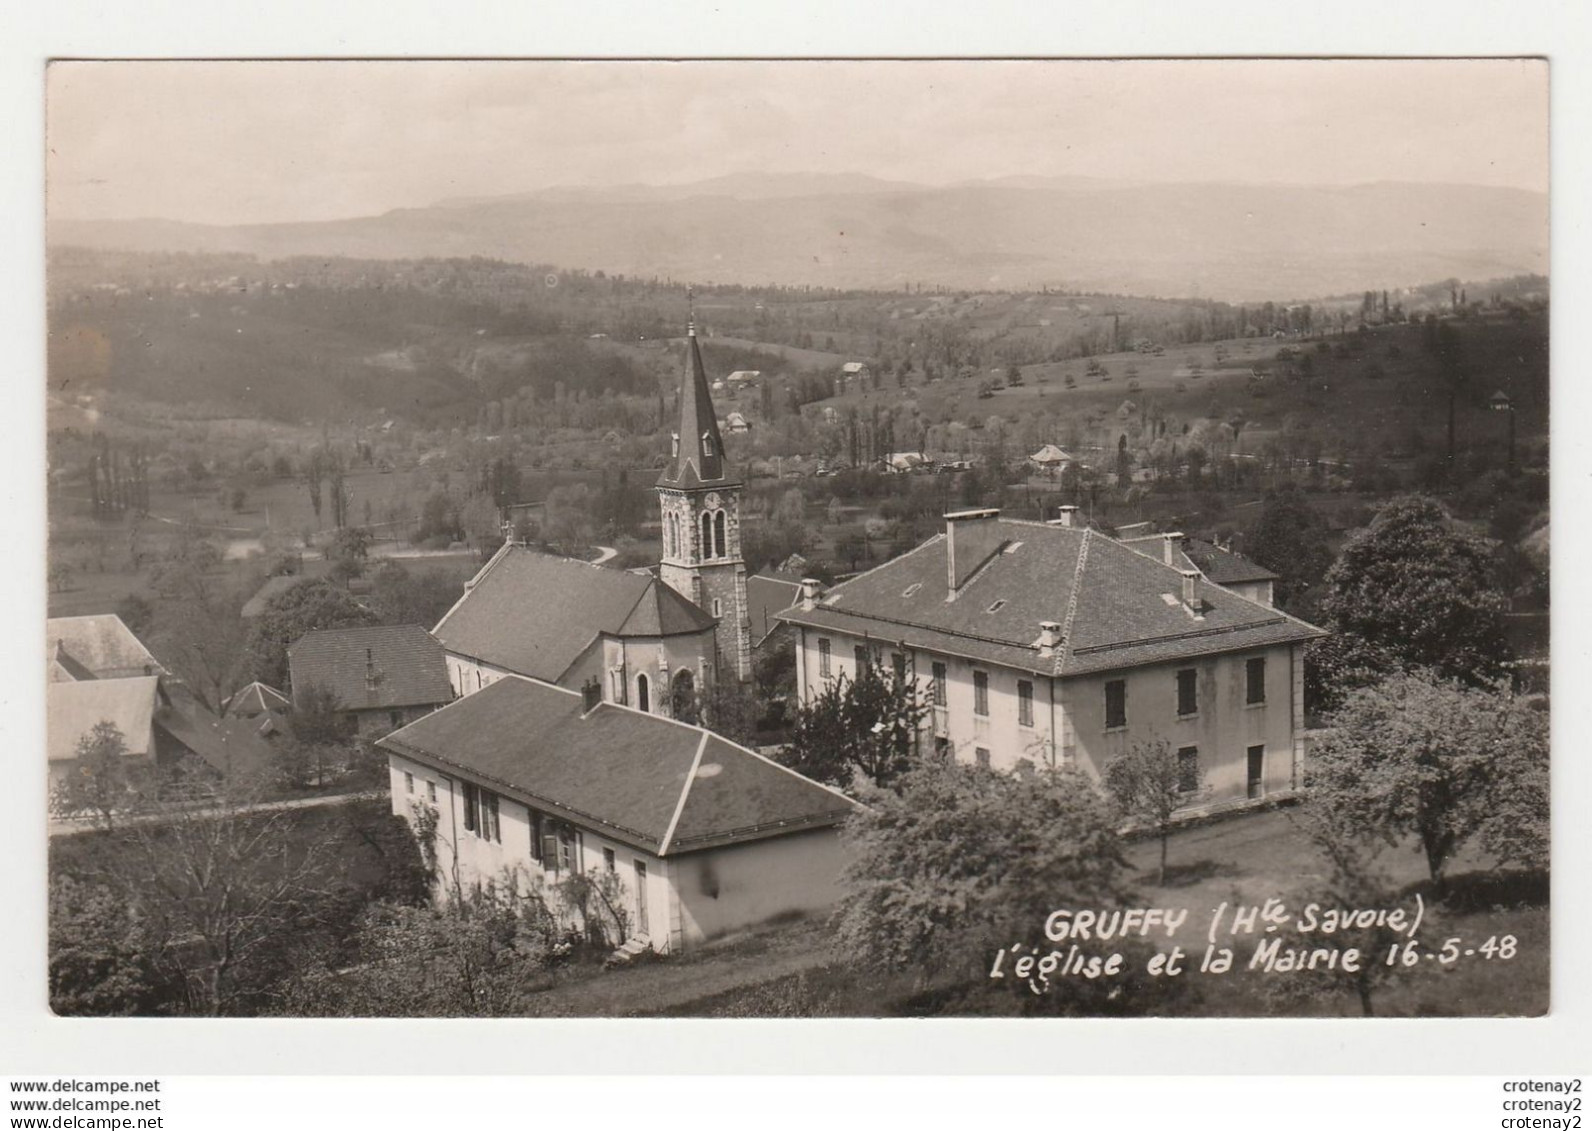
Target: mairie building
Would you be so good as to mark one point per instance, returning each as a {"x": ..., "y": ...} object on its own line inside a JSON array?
[{"x": 1047, "y": 644}]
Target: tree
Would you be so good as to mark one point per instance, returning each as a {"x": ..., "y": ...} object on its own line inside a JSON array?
[
  {"x": 198, "y": 631},
  {"x": 958, "y": 862},
  {"x": 1290, "y": 539},
  {"x": 1420, "y": 588},
  {"x": 99, "y": 781},
  {"x": 97, "y": 968},
  {"x": 311, "y": 604},
  {"x": 401, "y": 597},
  {"x": 1416, "y": 756},
  {"x": 867, "y": 727},
  {"x": 1149, "y": 784},
  {"x": 349, "y": 552}
]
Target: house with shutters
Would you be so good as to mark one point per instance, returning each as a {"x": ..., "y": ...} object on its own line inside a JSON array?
[
  {"x": 382, "y": 676},
  {"x": 1046, "y": 644},
  {"x": 526, "y": 784}
]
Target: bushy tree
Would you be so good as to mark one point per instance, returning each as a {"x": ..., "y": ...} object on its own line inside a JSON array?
[
  {"x": 97, "y": 967},
  {"x": 1290, "y": 539},
  {"x": 865, "y": 727},
  {"x": 1418, "y": 756},
  {"x": 1418, "y": 587},
  {"x": 958, "y": 862},
  {"x": 311, "y": 604}
]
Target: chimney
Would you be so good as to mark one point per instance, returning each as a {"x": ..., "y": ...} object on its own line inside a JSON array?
[
  {"x": 1170, "y": 544},
  {"x": 971, "y": 539},
  {"x": 370, "y": 671},
  {"x": 1049, "y": 636},
  {"x": 1065, "y": 516},
  {"x": 812, "y": 588},
  {"x": 1191, "y": 591},
  {"x": 591, "y": 694}
]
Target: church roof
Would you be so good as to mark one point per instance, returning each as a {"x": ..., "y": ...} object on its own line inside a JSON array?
[
  {"x": 700, "y": 459},
  {"x": 647, "y": 781},
  {"x": 1117, "y": 608},
  {"x": 535, "y": 613}
]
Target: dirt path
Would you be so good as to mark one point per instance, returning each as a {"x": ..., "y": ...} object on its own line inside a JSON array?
[{"x": 654, "y": 987}]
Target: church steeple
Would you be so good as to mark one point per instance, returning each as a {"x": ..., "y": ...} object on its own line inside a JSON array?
[
  {"x": 698, "y": 450},
  {"x": 699, "y": 499}
]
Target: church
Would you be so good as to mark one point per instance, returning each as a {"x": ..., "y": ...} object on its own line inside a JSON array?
[{"x": 649, "y": 642}]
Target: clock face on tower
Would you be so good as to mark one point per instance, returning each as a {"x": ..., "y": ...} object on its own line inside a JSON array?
[{"x": 713, "y": 500}]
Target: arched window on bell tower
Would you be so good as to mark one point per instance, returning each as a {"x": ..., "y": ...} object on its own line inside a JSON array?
[
  {"x": 719, "y": 544},
  {"x": 707, "y": 534}
]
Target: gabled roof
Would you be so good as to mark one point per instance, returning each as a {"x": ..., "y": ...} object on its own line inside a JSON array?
[
  {"x": 647, "y": 781},
  {"x": 535, "y": 613},
  {"x": 65, "y": 668},
  {"x": 232, "y": 747},
  {"x": 1052, "y": 454},
  {"x": 102, "y": 644},
  {"x": 72, "y": 709},
  {"x": 768, "y": 593},
  {"x": 256, "y": 699},
  {"x": 700, "y": 460},
  {"x": 1118, "y": 608},
  {"x": 1224, "y": 567},
  {"x": 378, "y": 666}
]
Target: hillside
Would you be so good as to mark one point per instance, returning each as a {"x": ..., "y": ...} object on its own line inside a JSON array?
[{"x": 1226, "y": 241}]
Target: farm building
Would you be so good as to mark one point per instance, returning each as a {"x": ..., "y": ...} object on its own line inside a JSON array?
[{"x": 381, "y": 676}]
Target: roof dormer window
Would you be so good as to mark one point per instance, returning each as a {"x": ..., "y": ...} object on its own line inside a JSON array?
[
  {"x": 674, "y": 444},
  {"x": 707, "y": 444}
]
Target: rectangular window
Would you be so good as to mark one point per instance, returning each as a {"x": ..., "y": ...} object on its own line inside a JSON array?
[
  {"x": 1188, "y": 701},
  {"x": 481, "y": 813},
  {"x": 823, "y": 658},
  {"x": 1116, "y": 702},
  {"x": 1255, "y": 680},
  {"x": 860, "y": 653},
  {"x": 898, "y": 664},
  {"x": 942, "y": 746},
  {"x": 939, "y": 684},
  {"x": 1188, "y": 769},
  {"x": 609, "y": 863},
  {"x": 537, "y": 848},
  {"x": 981, "y": 693},
  {"x": 409, "y": 783},
  {"x": 1025, "y": 702},
  {"x": 981, "y": 756},
  {"x": 431, "y": 792}
]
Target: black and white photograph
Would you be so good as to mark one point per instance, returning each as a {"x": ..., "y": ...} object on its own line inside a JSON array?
[{"x": 795, "y": 538}]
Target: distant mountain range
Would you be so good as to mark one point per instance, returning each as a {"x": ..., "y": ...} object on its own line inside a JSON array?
[{"x": 1239, "y": 242}]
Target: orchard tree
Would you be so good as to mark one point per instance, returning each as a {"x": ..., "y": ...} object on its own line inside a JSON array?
[
  {"x": 1417, "y": 756},
  {"x": 99, "y": 781},
  {"x": 1149, "y": 783},
  {"x": 866, "y": 727},
  {"x": 1419, "y": 587}
]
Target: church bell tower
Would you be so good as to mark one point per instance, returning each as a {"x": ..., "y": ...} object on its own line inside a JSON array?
[{"x": 700, "y": 498}]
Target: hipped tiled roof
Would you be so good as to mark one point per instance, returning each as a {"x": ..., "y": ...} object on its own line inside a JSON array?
[
  {"x": 1118, "y": 608},
  {"x": 376, "y": 667},
  {"x": 647, "y": 781}
]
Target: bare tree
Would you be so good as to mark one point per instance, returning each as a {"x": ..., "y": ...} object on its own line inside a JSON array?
[{"x": 1150, "y": 782}]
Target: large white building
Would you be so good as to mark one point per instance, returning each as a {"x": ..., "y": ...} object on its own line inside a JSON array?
[{"x": 1044, "y": 644}]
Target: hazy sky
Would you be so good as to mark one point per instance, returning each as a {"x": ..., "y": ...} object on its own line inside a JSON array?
[{"x": 241, "y": 142}]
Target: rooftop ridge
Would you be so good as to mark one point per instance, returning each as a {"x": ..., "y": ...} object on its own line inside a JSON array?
[
  {"x": 1072, "y": 598},
  {"x": 679, "y": 805}
]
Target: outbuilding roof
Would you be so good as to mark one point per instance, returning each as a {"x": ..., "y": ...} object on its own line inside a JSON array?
[
  {"x": 1116, "y": 608},
  {"x": 769, "y": 593},
  {"x": 535, "y": 613},
  {"x": 73, "y": 709},
  {"x": 373, "y": 667},
  {"x": 658, "y": 785},
  {"x": 101, "y": 644}
]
